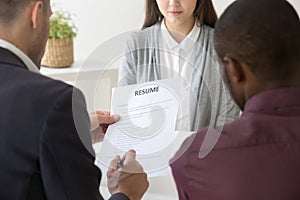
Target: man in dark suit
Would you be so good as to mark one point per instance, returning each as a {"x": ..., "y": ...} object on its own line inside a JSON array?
[
  {"x": 258, "y": 155},
  {"x": 45, "y": 146}
]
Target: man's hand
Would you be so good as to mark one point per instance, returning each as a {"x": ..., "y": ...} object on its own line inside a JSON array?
[
  {"x": 100, "y": 120},
  {"x": 130, "y": 179}
]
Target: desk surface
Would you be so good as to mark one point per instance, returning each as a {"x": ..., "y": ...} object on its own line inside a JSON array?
[{"x": 78, "y": 66}]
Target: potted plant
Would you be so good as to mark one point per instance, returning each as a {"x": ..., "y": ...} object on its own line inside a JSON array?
[{"x": 59, "y": 49}]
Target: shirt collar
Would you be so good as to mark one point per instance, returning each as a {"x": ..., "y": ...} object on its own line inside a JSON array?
[
  {"x": 188, "y": 42},
  {"x": 24, "y": 58}
]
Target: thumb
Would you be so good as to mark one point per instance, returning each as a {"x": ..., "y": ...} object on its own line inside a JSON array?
[
  {"x": 131, "y": 165},
  {"x": 104, "y": 119},
  {"x": 130, "y": 156}
]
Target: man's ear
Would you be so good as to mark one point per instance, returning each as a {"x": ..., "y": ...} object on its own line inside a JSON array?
[
  {"x": 36, "y": 14},
  {"x": 234, "y": 69}
]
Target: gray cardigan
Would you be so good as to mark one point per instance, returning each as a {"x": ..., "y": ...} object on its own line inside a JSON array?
[{"x": 210, "y": 103}]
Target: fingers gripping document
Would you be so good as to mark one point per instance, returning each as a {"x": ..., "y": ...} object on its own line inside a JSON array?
[{"x": 148, "y": 114}]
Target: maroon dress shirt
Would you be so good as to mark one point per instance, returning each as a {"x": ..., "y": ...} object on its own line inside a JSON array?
[{"x": 257, "y": 157}]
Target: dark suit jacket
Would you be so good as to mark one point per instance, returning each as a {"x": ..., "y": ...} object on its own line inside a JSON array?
[
  {"x": 45, "y": 153},
  {"x": 256, "y": 157}
]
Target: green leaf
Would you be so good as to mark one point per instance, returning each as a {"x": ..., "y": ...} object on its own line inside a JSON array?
[{"x": 62, "y": 25}]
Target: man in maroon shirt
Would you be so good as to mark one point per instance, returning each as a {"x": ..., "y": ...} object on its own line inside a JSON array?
[{"x": 257, "y": 156}]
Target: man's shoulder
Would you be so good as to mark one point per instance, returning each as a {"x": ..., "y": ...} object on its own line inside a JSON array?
[
  {"x": 35, "y": 86},
  {"x": 210, "y": 138},
  {"x": 46, "y": 84},
  {"x": 221, "y": 137}
]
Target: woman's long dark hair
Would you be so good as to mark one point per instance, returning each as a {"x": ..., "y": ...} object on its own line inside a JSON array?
[{"x": 204, "y": 13}]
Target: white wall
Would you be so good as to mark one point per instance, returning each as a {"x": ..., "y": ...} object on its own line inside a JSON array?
[{"x": 100, "y": 20}]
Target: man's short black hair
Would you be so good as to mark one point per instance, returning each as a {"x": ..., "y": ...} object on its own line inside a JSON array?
[
  {"x": 264, "y": 34},
  {"x": 9, "y": 9}
]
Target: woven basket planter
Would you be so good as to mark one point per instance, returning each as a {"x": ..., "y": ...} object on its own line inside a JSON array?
[{"x": 59, "y": 53}]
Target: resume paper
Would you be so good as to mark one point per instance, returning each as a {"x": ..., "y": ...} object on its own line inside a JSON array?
[{"x": 148, "y": 114}]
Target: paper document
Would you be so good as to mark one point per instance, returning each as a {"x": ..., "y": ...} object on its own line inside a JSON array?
[{"x": 148, "y": 116}]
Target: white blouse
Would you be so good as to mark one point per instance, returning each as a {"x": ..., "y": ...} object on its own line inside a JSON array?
[{"x": 176, "y": 59}]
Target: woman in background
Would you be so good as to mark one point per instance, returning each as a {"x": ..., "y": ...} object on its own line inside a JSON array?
[{"x": 177, "y": 40}]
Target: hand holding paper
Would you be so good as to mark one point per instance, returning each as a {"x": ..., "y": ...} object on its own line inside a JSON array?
[{"x": 100, "y": 120}]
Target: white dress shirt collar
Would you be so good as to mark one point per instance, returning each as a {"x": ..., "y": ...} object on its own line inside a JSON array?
[
  {"x": 185, "y": 44},
  {"x": 24, "y": 58}
]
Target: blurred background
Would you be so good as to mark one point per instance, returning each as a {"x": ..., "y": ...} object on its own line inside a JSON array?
[{"x": 100, "y": 20}]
